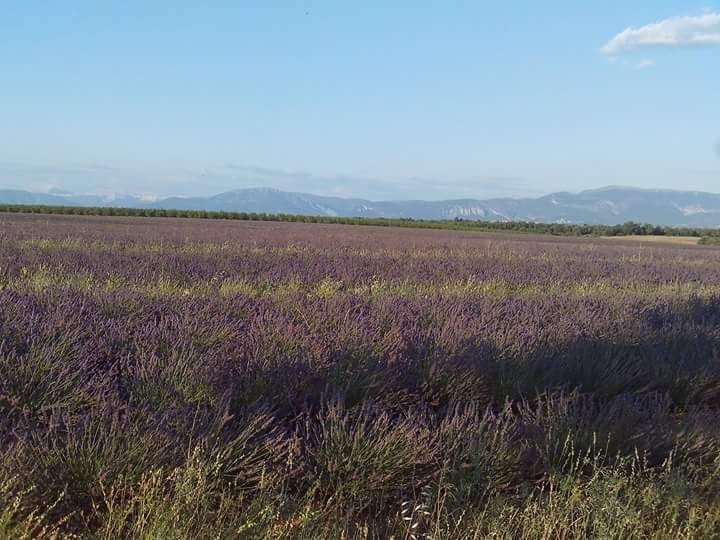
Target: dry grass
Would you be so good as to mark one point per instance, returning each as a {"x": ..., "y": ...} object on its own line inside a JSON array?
[{"x": 683, "y": 240}]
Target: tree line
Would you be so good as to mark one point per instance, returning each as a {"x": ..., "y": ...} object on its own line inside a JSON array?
[{"x": 558, "y": 229}]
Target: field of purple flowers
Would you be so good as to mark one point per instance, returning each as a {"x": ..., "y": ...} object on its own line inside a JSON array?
[{"x": 164, "y": 378}]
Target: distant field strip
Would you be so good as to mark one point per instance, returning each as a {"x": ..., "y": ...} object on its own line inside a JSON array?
[{"x": 686, "y": 240}]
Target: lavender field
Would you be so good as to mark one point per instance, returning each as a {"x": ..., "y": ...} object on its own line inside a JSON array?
[{"x": 178, "y": 378}]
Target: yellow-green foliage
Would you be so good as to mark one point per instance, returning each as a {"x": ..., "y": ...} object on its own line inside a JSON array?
[
  {"x": 20, "y": 519},
  {"x": 327, "y": 288},
  {"x": 45, "y": 278}
]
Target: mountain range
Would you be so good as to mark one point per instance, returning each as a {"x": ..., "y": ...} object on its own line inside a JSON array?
[{"x": 608, "y": 205}]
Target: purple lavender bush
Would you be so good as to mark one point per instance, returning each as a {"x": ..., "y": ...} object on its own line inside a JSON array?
[{"x": 167, "y": 378}]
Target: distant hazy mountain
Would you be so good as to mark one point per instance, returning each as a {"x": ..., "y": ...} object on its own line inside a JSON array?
[
  {"x": 610, "y": 205},
  {"x": 58, "y": 197},
  {"x": 14, "y": 196}
]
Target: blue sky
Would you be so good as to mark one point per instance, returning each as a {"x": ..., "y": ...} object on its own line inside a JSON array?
[{"x": 402, "y": 99}]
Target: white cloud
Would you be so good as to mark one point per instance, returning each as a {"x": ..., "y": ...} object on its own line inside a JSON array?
[
  {"x": 645, "y": 64},
  {"x": 673, "y": 32}
]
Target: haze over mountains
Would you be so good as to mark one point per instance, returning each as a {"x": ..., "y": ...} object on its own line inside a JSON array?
[{"x": 608, "y": 205}]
